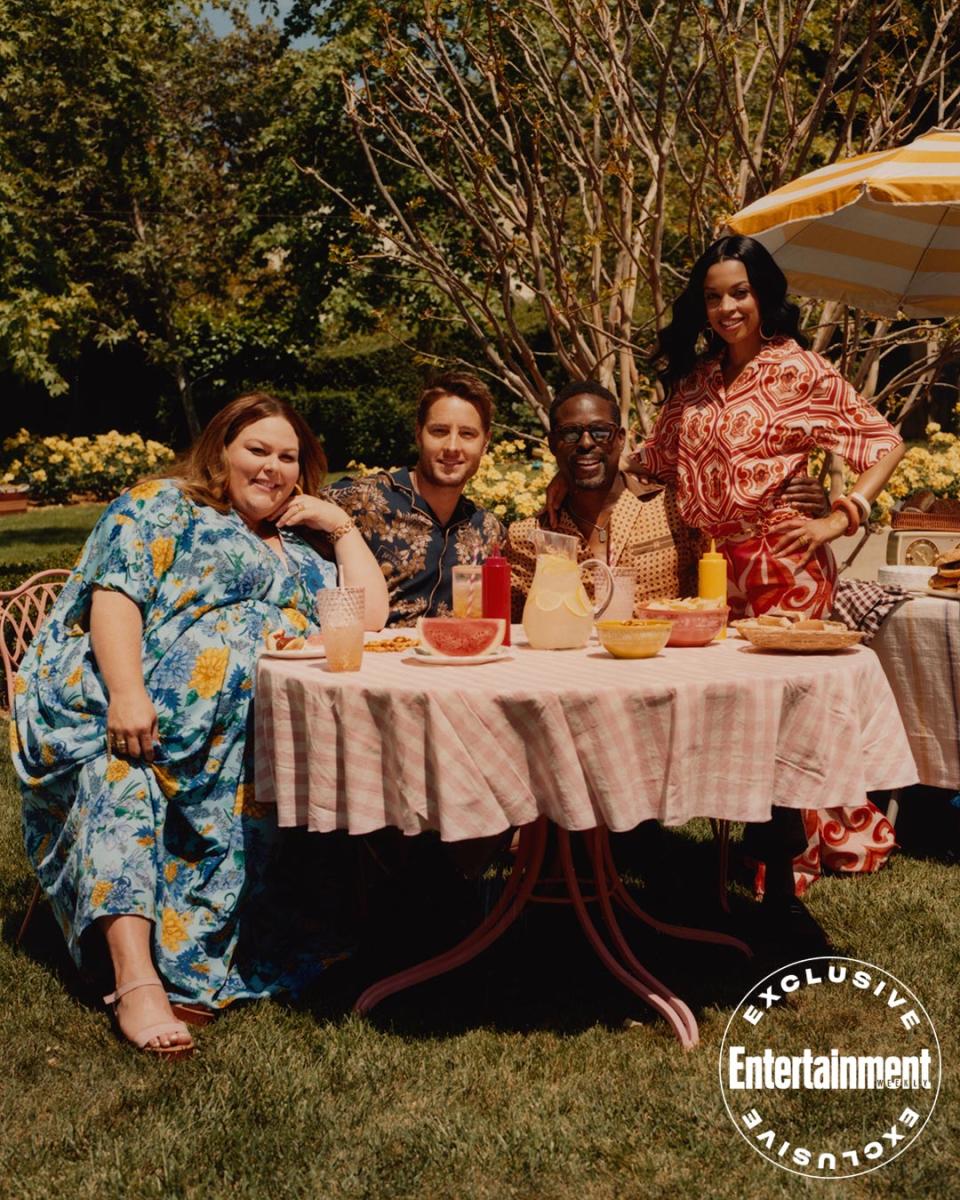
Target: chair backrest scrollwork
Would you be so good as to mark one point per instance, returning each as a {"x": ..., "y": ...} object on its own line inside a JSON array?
[{"x": 22, "y": 611}]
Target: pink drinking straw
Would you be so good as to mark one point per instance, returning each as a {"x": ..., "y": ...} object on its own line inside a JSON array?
[{"x": 472, "y": 589}]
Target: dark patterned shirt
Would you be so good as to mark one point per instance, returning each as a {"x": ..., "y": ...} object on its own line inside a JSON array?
[{"x": 414, "y": 550}]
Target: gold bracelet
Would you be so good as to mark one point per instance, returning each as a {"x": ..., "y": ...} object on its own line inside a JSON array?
[{"x": 341, "y": 530}]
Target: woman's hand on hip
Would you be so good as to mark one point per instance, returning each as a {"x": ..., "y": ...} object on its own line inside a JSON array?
[
  {"x": 132, "y": 730},
  {"x": 806, "y": 537},
  {"x": 314, "y": 513}
]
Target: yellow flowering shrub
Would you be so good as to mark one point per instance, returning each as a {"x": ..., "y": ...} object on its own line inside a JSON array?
[
  {"x": 512, "y": 479},
  {"x": 510, "y": 483},
  {"x": 57, "y": 468},
  {"x": 934, "y": 466}
]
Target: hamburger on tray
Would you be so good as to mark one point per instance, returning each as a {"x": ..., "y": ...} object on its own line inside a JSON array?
[{"x": 948, "y": 570}]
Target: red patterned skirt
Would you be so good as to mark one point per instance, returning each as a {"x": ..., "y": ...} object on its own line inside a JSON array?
[
  {"x": 758, "y": 579},
  {"x": 858, "y": 839}
]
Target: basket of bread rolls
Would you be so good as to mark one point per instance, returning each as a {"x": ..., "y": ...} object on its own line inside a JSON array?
[{"x": 793, "y": 632}]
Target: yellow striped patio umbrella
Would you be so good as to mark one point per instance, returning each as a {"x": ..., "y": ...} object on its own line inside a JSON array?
[{"x": 880, "y": 231}]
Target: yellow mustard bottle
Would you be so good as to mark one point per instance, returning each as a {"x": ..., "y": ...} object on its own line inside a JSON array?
[{"x": 712, "y": 578}]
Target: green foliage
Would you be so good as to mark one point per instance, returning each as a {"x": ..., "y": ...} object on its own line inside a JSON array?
[
  {"x": 160, "y": 195},
  {"x": 19, "y": 570},
  {"x": 376, "y": 425},
  {"x": 75, "y": 140},
  {"x": 360, "y": 399},
  {"x": 150, "y": 195},
  {"x": 38, "y": 331}
]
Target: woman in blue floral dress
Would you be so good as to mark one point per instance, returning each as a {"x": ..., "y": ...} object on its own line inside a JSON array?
[{"x": 133, "y": 715}]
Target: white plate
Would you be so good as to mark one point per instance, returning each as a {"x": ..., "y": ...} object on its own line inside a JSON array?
[
  {"x": 306, "y": 652},
  {"x": 944, "y": 593},
  {"x": 456, "y": 660},
  {"x": 911, "y": 579}
]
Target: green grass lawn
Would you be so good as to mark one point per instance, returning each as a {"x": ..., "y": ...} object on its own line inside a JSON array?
[
  {"x": 49, "y": 527},
  {"x": 514, "y": 1077},
  {"x": 51, "y": 536}
]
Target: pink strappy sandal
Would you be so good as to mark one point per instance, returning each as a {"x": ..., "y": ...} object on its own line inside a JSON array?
[{"x": 142, "y": 1036}]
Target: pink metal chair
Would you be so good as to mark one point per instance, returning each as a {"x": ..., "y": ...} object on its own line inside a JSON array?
[{"x": 22, "y": 611}]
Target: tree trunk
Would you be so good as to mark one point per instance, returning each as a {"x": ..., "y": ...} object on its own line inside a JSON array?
[{"x": 185, "y": 391}]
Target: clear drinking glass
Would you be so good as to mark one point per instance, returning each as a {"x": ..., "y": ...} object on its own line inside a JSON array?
[
  {"x": 621, "y": 603},
  {"x": 468, "y": 591},
  {"x": 340, "y": 613}
]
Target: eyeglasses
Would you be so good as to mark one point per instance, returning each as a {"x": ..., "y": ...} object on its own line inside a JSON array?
[{"x": 601, "y": 433}]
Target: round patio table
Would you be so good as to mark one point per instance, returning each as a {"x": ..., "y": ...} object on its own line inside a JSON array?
[
  {"x": 919, "y": 649},
  {"x": 578, "y": 740}
]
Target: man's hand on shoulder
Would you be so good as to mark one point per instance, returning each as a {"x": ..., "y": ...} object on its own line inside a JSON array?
[
  {"x": 642, "y": 486},
  {"x": 806, "y": 495}
]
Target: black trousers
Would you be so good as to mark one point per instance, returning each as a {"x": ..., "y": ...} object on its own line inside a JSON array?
[{"x": 782, "y": 836}]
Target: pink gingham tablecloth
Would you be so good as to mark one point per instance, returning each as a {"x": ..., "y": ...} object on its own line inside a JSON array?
[
  {"x": 721, "y": 731},
  {"x": 919, "y": 650}
]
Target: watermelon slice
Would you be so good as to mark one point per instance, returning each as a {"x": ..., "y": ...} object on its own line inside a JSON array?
[{"x": 460, "y": 637}]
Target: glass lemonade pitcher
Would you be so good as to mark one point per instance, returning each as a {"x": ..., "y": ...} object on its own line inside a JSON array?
[{"x": 558, "y": 614}]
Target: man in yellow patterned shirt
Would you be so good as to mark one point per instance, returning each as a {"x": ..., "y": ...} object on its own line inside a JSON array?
[{"x": 615, "y": 518}]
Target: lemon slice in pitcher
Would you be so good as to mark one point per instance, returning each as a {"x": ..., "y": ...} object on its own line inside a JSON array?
[
  {"x": 547, "y": 601},
  {"x": 579, "y": 602}
]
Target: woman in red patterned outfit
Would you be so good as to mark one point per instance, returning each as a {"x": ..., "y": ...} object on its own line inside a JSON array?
[{"x": 741, "y": 417}]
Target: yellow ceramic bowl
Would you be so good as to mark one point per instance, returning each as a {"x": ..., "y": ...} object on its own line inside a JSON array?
[{"x": 633, "y": 639}]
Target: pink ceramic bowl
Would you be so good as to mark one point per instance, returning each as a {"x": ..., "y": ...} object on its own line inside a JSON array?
[{"x": 690, "y": 627}]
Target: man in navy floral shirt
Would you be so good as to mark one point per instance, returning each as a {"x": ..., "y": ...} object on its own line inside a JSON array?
[{"x": 417, "y": 522}]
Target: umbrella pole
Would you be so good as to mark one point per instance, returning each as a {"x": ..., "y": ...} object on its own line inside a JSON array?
[{"x": 856, "y": 550}]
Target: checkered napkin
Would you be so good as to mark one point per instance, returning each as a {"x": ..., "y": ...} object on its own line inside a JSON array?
[{"x": 861, "y": 604}]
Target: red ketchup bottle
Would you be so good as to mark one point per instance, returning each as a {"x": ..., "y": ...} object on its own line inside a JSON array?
[{"x": 496, "y": 590}]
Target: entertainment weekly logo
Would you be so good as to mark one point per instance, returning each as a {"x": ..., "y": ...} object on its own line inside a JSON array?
[{"x": 830, "y": 1067}]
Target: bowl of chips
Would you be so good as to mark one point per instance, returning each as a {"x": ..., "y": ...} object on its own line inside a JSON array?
[{"x": 695, "y": 621}]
